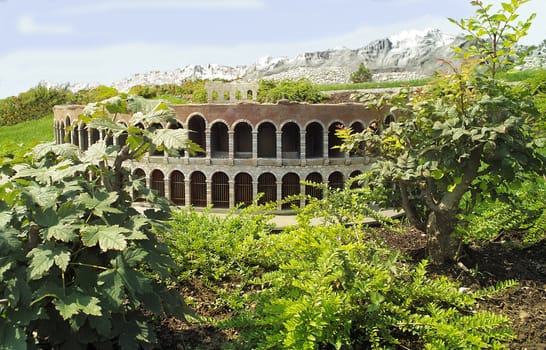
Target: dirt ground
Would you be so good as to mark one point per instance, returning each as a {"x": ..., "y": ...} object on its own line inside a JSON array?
[{"x": 480, "y": 267}]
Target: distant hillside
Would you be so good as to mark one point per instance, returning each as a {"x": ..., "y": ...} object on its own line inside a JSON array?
[{"x": 405, "y": 56}]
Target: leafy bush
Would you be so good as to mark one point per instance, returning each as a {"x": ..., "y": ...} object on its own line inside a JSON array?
[
  {"x": 79, "y": 264},
  {"x": 526, "y": 213},
  {"x": 361, "y": 75},
  {"x": 331, "y": 290},
  {"x": 32, "y": 104},
  {"x": 216, "y": 246},
  {"x": 301, "y": 90}
]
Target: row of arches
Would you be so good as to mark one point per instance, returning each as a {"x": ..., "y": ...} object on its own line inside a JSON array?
[
  {"x": 240, "y": 141},
  {"x": 222, "y": 192}
]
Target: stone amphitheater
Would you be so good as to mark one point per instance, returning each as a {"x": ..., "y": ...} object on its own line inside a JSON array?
[{"x": 250, "y": 148}]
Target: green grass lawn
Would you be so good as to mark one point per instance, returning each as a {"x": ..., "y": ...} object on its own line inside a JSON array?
[{"x": 25, "y": 135}]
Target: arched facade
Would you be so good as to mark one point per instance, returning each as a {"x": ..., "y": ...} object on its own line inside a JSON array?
[{"x": 251, "y": 151}]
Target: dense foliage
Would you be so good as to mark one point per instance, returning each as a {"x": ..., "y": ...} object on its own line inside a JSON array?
[
  {"x": 30, "y": 105},
  {"x": 301, "y": 90},
  {"x": 326, "y": 286},
  {"x": 466, "y": 133},
  {"x": 79, "y": 264}
]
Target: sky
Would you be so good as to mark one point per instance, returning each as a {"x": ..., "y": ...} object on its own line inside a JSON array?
[{"x": 103, "y": 41}]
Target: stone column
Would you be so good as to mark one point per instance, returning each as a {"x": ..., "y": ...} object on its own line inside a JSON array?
[
  {"x": 279, "y": 147},
  {"x": 231, "y": 146},
  {"x": 208, "y": 147},
  {"x": 279, "y": 193},
  {"x": 303, "y": 147},
  {"x": 255, "y": 147},
  {"x": 187, "y": 190},
  {"x": 231, "y": 184},
  {"x": 167, "y": 184},
  {"x": 209, "y": 191},
  {"x": 325, "y": 147}
]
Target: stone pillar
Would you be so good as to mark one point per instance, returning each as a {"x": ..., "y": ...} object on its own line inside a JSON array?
[
  {"x": 167, "y": 184},
  {"x": 303, "y": 147},
  {"x": 187, "y": 190},
  {"x": 254, "y": 188},
  {"x": 231, "y": 146},
  {"x": 231, "y": 184},
  {"x": 255, "y": 147},
  {"x": 208, "y": 147},
  {"x": 325, "y": 147},
  {"x": 279, "y": 193},
  {"x": 279, "y": 147},
  {"x": 209, "y": 190},
  {"x": 302, "y": 191}
]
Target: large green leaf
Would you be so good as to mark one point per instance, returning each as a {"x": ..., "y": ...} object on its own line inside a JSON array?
[
  {"x": 100, "y": 203},
  {"x": 64, "y": 232},
  {"x": 41, "y": 262},
  {"x": 170, "y": 138},
  {"x": 75, "y": 303},
  {"x": 108, "y": 237},
  {"x": 63, "y": 150}
]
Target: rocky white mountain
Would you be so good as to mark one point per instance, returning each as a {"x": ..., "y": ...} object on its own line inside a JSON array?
[{"x": 407, "y": 55}]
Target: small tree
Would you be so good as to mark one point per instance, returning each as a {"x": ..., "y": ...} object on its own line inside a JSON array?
[
  {"x": 466, "y": 134},
  {"x": 361, "y": 75},
  {"x": 79, "y": 264}
]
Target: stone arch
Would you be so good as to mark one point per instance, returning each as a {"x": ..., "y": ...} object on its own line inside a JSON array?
[
  {"x": 356, "y": 127},
  {"x": 177, "y": 187},
  {"x": 156, "y": 153},
  {"x": 290, "y": 141},
  {"x": 140, "y": 176},
  {"x": 335, "y": 180},
  {"x": 157, "y": 182},
  {"x": 312, "y": 190},
  {"x": 243, "y": 189},
  {"x": 66, "y": 129},
  {"x": 173, "y": 126},
  {"x": 388, "y": 120},
  {"x": 197, "y": 125},
  {"x": 220, "y": 190},
  {"x": 198, "y": 189},
  {"x": 333, "y": 140},
  {"x": 242, "y": 140},
  {"x": 267, "y": 140},
  {"x": 290, "y": 186},
  {"x": 94, "y": 136},
  {"x": 355, "y": 184},
  {"x": 219, "y": 140},
  {"x": 267, "y": 184},
  {"x": 84, "y": 132},
  {"x": 314, "y": 140}
]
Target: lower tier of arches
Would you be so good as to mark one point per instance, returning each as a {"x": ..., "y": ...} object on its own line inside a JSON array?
[{"x": 241, "y": 187}]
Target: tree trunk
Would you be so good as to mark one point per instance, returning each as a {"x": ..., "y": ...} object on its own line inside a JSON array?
[{"x": 442, "y": 247}]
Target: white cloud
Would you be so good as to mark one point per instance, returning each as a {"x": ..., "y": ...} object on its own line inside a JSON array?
[
  {"x": 112, "y": 6},
  {"x": 27, "y": 25}
]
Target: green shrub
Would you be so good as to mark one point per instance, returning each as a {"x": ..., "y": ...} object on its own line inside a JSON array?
[
  {"x": 361, "y": 75},
  {"x": 492, "y": 218},
  {"x": 301, "y": 90},
  {"x": 333, "y": 291},
  {"x": 80, "y": 266},
  {"x": 32, "y": 104},
  {"x": 215, "y": 246}
]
